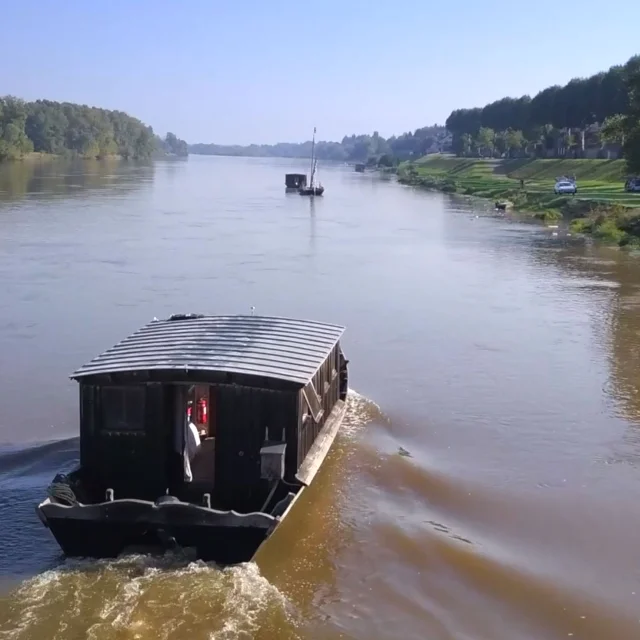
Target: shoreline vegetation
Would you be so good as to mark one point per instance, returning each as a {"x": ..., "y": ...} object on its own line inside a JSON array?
[
  {"x": 601, "y": 207},
  {"x": 42, "y": 129},
  {"x": 373, "y": 150},
  {"x": 511, "y": 150},
  {"x": 588, "y": 118}
]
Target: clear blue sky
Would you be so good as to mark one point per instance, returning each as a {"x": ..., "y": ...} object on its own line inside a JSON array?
[{"x": 269, "y": 70}]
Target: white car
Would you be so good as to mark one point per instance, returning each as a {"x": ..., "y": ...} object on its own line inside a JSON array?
[{"x": 565, "y": 186}]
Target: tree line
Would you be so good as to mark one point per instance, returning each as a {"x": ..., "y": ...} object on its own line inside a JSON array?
[
  {"x": 354, "y": 148},
  {"x": 65, "y": 128},
  {"x": 558, "y": 116},
  {"x": 171, "y": 145}
]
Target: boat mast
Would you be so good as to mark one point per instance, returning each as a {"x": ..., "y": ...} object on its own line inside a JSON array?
[{"x": 313, "y": 166}]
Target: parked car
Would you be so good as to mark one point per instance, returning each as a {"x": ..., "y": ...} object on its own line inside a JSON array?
[
  {"x": 564, "y": 186},
  {"x": 632, "y": 185}
]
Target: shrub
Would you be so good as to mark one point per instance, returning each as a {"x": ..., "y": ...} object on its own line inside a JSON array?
[
  {"x": 449, "y": 186},
  {"x": 550, "y": 215},
  {"x": 581, "y": 225},
  {"x": 609, "y": 231}
]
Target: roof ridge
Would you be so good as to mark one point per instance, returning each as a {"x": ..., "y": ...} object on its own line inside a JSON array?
[{"x": 177, "y": 317}]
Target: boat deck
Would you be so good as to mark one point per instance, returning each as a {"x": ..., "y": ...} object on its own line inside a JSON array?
[{"x": 203, "y": 465}]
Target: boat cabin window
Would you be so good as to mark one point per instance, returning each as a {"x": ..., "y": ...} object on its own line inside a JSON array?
[{"x": 123, "y": 408}]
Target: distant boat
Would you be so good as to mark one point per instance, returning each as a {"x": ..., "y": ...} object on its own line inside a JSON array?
[
  {"x": 312, "y": 189},
  {"x": 295, "y": 181}
]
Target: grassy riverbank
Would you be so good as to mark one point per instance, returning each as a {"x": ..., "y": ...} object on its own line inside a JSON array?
[
  {"x": 601, "y": 208},
  {"x": 37, "y": 157}
]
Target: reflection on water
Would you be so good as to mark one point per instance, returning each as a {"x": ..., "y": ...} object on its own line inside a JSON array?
[
  {"x": 51, "y": 178},
  {"x": 472, "y": 493},
  {"x": 616, "y": 276}
]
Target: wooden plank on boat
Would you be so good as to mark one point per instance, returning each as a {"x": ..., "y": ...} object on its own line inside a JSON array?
[{"x": 322, "y": 444}]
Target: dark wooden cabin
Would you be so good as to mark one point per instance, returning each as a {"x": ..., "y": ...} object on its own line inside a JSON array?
[
  {"x": 295, "y": 180},
  {"x": 360, "y": 167},
  {"x": 250, "y": 382}
]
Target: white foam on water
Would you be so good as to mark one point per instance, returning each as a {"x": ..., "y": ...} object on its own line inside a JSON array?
[
  {"x": 143, "y": 597},
  {"x": 360, "y": 412},
  {"x": 28, "y": 598},
  {"x": 248, "y": 596}
]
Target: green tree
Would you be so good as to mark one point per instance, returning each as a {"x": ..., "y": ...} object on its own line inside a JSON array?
[
  {"x": 386, "y": 160},
  {"x": 14, "y": 142},
  {"x": 515, "y": 141},
  {"x": 567, "y": 141},
  {"x": 46, "y": 127},
  {"x": 63, "y": 127},
  {"x": 359, "y": 148},
  {"x": 174, "y": 146},
  {"x": 612, "y": 130},
  {"x": 500, "y": 142},
  {"x": 486, "y": 141},
  {"x": 576, "y": 105},
  {"x": 550, "y": 137},
  {"x": 467, "y": 143},
  {"x": 631, "y": 123}
]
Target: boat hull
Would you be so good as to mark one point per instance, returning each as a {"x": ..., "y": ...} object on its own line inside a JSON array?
[
  {"x": 311, "y": 191},
  {"x": 107, "y": 529}
]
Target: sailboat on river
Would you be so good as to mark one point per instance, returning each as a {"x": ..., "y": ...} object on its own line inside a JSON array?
[{"x": 312, "y": 189}]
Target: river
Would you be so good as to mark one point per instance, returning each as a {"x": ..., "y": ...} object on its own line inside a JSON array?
[{"x": 486, "y": 483}]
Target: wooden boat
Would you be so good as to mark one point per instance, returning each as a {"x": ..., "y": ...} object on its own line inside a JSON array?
[
  {"x": 199, "y": 431},
  {"x": 312, "y": 189},
  {"x": 295, "y": 181}
]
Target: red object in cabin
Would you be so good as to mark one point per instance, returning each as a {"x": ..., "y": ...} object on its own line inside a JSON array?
[{"x": 202, "y": 411}]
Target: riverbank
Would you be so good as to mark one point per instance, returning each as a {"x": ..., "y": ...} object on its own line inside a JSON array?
[
  {"x": 602, "y": 208},
  {"x": 34, "y": 156},
  {"x": 41, "y": 156}
]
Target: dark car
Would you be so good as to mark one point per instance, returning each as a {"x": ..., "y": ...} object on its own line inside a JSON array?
[{"x": 633, "y": 185}]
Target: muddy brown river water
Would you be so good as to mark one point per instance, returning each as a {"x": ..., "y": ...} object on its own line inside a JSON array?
[{"x": 486, "y": 484}]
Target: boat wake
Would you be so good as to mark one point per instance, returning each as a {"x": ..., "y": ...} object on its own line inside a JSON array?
[
  {"x": 31, "y": 461},
  {"x": 142, "y": 596},
  {"x": 360, "y": 412}
]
